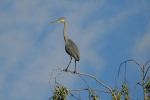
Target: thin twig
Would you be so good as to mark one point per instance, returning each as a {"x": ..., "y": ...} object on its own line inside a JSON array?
[
  {"x": 80, "y": 93},
  {"x": 51, "y": 77},
  {"x": 125, "y": 69},
  {"x": 90, "y": 90},
  {"x": 146, "y": 63},
  {"x": 127, "y": 61},
  {"x": 92, "y": 77},
  {"x": 87, "y": 86},
  {"x": 147, "y": 80},
  {"x": 146, "y": 72},
  {"x": 75, "y": 97},
  {"x": 125, "y": 72},
  {"x": 85, "y": 75},
  {"x": 135, "y": 89},
  {"x": 57, "y": 76},
  {"x": 50, "y": 80},
  {"x": 137, "y": 63}
]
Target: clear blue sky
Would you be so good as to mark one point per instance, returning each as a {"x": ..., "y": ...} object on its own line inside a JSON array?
[{"x": 106, "y": 33}]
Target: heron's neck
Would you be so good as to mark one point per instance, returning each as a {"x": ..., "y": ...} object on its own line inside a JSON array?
[{"x": 65, "y": 34}]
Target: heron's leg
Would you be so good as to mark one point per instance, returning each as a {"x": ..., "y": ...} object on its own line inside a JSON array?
[
  {"x": 69, "y": 63},
  {"x": 75, "y": 67}
]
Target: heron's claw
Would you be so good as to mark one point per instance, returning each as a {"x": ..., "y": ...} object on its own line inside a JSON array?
[
  {"x": 65, "y": 70},
  {"x": 74, "y": 72}
]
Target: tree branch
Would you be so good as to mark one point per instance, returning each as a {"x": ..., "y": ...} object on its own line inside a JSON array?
[
  {"x": 90, "y": 90},
  {"x": 146, "y": 63},
  {"x": 135, "y": 89},
  {"x": 87, "y": 86},
  {"x": 86, "y": 75},
  {"x": 130, "y": 60},
  {"x": 146, "y": 72},
  {"x": 50, "y": 81}
]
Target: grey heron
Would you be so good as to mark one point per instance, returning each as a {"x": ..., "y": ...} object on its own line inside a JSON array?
[{"x": 70, "y": 47}]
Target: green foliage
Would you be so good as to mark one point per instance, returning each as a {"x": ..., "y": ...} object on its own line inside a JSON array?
[
  {"x": 61, "y": 93},
  {"x": 94, "y": 96},
  {"x": 123, "y": 93},
  {"x": 118, "y": 94},
  {"x": 148, "y": 90},
  {"x": 148, "y": 97}
]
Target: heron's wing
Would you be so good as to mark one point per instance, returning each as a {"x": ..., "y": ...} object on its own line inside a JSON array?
[{"x": 72, "y": 49}]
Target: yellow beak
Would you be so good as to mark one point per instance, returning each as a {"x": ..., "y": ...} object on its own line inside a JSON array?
[{"x": 55, "y": 21}]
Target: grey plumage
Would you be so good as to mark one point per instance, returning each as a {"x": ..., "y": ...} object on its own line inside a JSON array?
[{"x": 70, "y": 47}]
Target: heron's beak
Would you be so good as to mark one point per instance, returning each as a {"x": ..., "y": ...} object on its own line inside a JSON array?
[{"x": 56, "y": 21}]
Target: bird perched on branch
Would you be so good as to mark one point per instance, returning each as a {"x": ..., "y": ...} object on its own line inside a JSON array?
[{"x": 70, "y": 47}]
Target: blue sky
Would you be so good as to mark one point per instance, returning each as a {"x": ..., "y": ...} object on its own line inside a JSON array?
[{"x": 106, "y": 33}]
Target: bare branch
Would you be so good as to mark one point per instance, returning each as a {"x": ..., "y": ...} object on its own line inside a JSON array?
[
  {"x": 125, "y": 69},
  {"x": 87, "y": 85},
  {"x": 147, "y": 80},
  {"x": 50, "y": 80},
  {"x": 57, "y": 76},
  {"x": 137, "y": 64},
  {"x": 127, "y": 61},
  {"x": 86, "y": 75},
  {"x": 125, "y": 73},
  {"x": 110, "y": 90},
  {"x": 90, "y": 90},
  {"x": 79, "y": 94},
  {"x": 146, "y": 63},
  {"x": 93, "y": 78},
  {"x": 75, "y": 97},
  {"x": 146, "y": 72},
  {"x": 135, "y": 89}
]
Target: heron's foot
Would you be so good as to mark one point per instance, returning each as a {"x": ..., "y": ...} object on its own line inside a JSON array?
[
  {"x": 66, "y": 70},
  {"x": 74, "y": 72}
]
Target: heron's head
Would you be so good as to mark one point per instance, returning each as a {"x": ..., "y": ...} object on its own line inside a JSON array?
[{"x": 60, "y": 20}]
